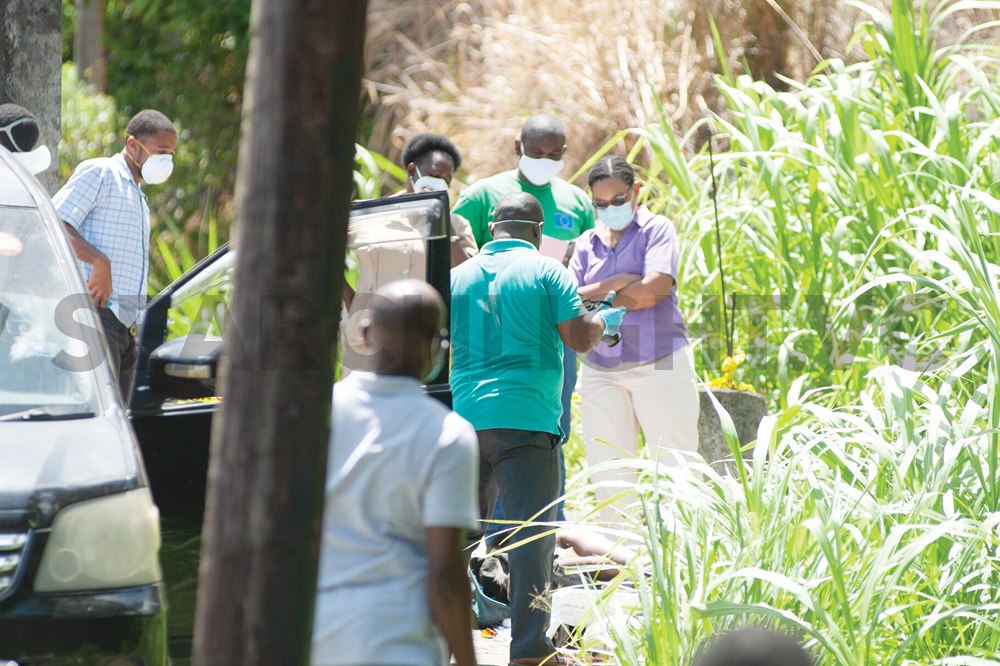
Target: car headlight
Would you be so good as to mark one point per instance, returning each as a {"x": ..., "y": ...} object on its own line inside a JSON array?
[{"x": 103, "y": 543}]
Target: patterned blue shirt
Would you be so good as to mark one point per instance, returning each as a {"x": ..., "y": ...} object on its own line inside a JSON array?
[{"x": 104, "y": 203}]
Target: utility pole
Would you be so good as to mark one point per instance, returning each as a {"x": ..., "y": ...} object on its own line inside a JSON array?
[
  {"x": 269, "y": 443},
  {"x": 30, "y": 69}
]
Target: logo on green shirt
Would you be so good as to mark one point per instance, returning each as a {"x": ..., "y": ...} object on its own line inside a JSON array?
[{"x": 563, "y": 221}]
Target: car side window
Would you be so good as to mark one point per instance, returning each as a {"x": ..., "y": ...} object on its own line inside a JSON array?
[{"x": 201, "y": 306}]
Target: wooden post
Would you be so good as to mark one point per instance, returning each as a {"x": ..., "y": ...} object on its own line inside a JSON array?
[
  {"x": 269, "y": 443},
  {"x": 30, "y": 69}
]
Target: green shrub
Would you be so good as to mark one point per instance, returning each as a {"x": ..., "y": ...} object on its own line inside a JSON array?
[{"x": 91, "y": 124}]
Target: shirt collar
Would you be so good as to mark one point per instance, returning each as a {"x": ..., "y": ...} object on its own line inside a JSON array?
[
  {"x": 505, "y": 245},
  {"x": 374, "y": 383},
  {"x": 119, "y": 161}
]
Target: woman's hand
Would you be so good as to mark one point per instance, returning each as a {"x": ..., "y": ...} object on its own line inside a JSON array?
[
  {"x": 614, "y": 283},
  {"x": 646, "y": 292}
]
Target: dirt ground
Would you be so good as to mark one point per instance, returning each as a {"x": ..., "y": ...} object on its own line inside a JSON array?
[{"x": 491, "y": 651}]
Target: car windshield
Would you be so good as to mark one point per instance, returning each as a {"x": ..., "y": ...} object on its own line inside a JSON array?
[{"x": 42, "y": 368}]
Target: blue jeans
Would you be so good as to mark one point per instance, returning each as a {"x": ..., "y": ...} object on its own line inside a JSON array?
[
  {"x": 569, "y": 383},
  {"x": 523, "y": 466}
]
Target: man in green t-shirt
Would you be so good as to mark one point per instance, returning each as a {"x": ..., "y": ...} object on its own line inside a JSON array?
[
  {"x": 512, "y": 310},
  {"x": 568, "y": 213},
  {"x": 540, "y": 148}
]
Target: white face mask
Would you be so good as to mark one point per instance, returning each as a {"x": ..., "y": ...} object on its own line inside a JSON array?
[
  {"x": 617, "y": 217},
  {"x": 428, "y": 182},
  {"x": 539, "y": 171},
  {"x": 157, "y": 168},
  {"x": 35, "y": 161}
]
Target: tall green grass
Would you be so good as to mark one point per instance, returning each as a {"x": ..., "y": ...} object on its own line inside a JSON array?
[
  {"x": 861, "y": 229},
  {"x": 819, "y": 191},
  {"x": 865, "y": 532}
]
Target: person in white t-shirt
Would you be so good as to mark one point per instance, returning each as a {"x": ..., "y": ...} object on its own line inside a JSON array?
[{"x": 401, "y": 491}]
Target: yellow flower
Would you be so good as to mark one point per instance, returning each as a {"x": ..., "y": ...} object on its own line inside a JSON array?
[{"x": 728, "y": 379}]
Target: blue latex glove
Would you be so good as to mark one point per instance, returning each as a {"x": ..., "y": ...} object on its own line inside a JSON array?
[{"x": 612, "y": 317}]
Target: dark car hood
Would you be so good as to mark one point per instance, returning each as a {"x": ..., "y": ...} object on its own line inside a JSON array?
[{"x": 45, "y": 465}]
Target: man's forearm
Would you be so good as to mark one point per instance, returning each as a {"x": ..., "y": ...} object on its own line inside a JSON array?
[
  {"x": 458, "y": 253},
  {"x": 581, "y": 334},
  {"x": 451, "y": 608},
  {"x": 83, "y": 250}
]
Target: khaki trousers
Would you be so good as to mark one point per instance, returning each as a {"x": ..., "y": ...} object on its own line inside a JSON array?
[{"x": 660, "y": 397}]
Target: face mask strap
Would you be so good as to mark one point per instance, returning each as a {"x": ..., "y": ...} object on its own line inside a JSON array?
[{"x": 141, "y": 145}]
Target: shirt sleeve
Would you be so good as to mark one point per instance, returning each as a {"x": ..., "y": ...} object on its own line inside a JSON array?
[
  {"x": 80, "y": 195},
  {"x": 577, "y": 269},
  {"x": 563, "y": 299},
  {"x": 471, "y": 206},
  {"x": 587, "y": 215},
  {"x": 662, "y": 252},
  {"x": 451, "y": 496},
  {"x": 465, "y": 236}
]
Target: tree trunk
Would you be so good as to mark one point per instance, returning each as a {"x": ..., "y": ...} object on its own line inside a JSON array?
[
  {"x": 30, "y": 63},
  {"x": 269, "y": 443},
  {"x": 88, "y": 50}
]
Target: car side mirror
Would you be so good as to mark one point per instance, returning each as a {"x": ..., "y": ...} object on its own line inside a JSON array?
[{"x": 186, "y": 367}]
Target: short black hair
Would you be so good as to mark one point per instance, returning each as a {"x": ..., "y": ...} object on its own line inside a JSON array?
[
  {"x": 519, "y": 206},
  {"x": 149, "y": 123},
  {"x": 542, "y": 126},
  {"x": 424, "y": 144},
  {"x": 611, "y": 167},
  {"x": 25, "y": 134},
  {"x": 755, "y": 647}
]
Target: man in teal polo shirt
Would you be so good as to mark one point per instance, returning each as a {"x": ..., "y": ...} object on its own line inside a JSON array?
[
  {"x": 568, "y": 213},
  {"x": 512, "y": 309}
]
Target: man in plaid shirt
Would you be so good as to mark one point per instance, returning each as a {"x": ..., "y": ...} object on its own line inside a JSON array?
[{"x": 107, "y": 222}]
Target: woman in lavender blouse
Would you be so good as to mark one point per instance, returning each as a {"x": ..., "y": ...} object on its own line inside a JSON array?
[{"x": 647, "y": 381}]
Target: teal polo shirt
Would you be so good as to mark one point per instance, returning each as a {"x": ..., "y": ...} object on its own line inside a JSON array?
[{"x": 507, "y": 367}]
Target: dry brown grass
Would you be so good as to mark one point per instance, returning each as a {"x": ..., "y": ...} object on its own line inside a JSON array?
[{"x": 474, "y": 70}]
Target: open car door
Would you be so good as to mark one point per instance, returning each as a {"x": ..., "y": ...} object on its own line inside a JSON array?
[{"x": 174, "y": 396}]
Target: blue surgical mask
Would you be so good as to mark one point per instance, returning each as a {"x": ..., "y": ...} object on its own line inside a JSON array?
[{"x": 617, "y": 217}]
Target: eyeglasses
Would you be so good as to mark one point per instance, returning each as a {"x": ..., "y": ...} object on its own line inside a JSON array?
[
  {"x": 10, "y": 135},
  {"x": 620, "y": 200}
]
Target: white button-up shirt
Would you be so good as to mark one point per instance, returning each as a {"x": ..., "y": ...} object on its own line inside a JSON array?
[
  {"x": 399, "y": 462},
  {"x": 104, "y": 203}
]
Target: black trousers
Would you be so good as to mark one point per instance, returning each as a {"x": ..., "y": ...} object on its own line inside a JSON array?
[
  {"x": 123, "y": 350},
  {"x": 523, "y": 465}
]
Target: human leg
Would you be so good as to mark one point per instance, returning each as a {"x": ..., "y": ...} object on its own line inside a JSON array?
[
  {"x": 495, "y": 529},
  {"x": 665, "y": 397},
  {"x": 121, "y": 346},
  {"x": 566, "y": 420},
  {"x": 525, "y": 466},
  {"x": 126, "y": 371},
  {"x": 487, "y": 497},
  {"x": 610, "y": 430}
]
